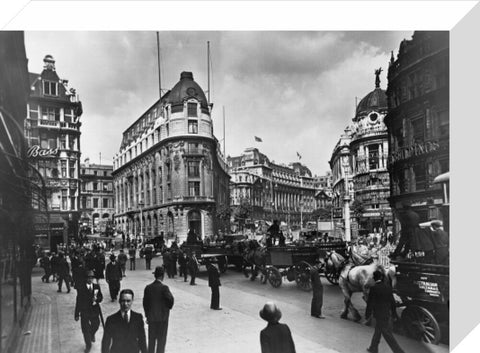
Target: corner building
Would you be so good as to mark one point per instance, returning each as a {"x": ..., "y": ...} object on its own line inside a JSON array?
[
  {"x": 418, "y": 123},
  {"x": 169, "y": 175},
  {"x": 52, "y": 130}
]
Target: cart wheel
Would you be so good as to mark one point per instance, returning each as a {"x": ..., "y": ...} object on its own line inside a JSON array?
[
  {"x": 274, "y": 277},
  {"x": 302, "y": 276},
  {"x": 421, "y": 324},
  {"x": 331, "y": 274}
]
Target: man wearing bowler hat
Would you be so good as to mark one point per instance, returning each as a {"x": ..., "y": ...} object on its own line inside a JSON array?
[
  {"x": 157, "y": 302},
  {"x": 276, "y": 337},
  {"x": 87, "y": 309}
]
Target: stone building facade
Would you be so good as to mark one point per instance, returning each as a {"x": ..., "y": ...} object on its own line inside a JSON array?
[
  {"x": 170, "y": 175},
  {"x": 272, "y": 191},
  {"x": 97, "y": 203},
  {"x": 418, "y": 122},
  {"x": 52, "y": 130}
]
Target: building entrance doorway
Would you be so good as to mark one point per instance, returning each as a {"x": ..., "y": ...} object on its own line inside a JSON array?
[{"x": 195, "y": 222}]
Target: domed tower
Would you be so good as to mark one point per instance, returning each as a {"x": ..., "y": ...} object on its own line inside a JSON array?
[
  {"x": 170, "y": 174},
  {"x": 369, "y": 154}
]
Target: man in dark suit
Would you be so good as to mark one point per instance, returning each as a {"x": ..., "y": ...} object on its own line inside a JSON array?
[
  {"x": 276, "y": 337},
  {"x": 382, "y": 304},
  {"x": 87, "y": 308},
  {"x": 63, "y": 270},
  {"x": 214, "y": 284},
  {"x": 113, "y": 276},
  {"x": 124, "y": 331},
  {"x": 157, "y": 302},
  {"x": 192, "y": 264}
]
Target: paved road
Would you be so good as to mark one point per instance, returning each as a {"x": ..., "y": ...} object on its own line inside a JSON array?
[{"x": 195, "y": 328}]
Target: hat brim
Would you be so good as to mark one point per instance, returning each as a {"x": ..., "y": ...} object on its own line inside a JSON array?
[{"x": 271, "y": 317}]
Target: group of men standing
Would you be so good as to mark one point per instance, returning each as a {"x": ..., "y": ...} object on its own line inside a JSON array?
[{"x": 124, "y": 331}]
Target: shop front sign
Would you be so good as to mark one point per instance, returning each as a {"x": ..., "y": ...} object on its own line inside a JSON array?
[{"x": 36, "y": 151}]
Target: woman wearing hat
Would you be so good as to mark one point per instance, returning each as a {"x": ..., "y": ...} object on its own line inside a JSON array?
[{"x": 276, "y": 337}]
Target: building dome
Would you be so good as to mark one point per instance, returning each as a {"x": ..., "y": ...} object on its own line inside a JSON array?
[
  {"x": 375, "y": 100},
  {"x": 185, "y": 89}
]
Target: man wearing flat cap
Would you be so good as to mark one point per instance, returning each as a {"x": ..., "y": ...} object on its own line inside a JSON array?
[
  {"x": 157, "y": 302},
  {"x": 87, "y": 308},
  {"x": 276, "y": 337}
]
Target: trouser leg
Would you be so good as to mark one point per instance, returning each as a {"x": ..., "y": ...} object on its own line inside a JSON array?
[
  {"x": 86, "y": 330},
  {"x": 392, "y": 342},
  {"x": 215, "y": 301},
  {"x": 152, "y": 338},
  {"x": 376, "y": 337}
]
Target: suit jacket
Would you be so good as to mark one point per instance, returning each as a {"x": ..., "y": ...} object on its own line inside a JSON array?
[
  {"x": 157, "y": 302},
  {"x": 113, "y": 272},
  {"x": 277, "y": 338},
  {"x": 120, "y": 337},
  {"x": 213, "y": 276},
  {"x": 84, "y": 305},
  {"x": 380, "y": 302}
]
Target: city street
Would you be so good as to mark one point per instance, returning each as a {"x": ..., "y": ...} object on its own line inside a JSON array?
[{"x": 195, "y": 328}]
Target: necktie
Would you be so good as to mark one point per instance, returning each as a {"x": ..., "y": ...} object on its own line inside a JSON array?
[{"x": 125, "y": 318}]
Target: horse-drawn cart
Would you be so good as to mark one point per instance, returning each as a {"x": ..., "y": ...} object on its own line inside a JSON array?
[
  {"x": 292, "y": 262},
  {"x": 424, "y": 290}
]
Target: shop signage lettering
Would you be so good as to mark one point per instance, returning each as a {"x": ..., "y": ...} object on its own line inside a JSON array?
[
  {"x": 417, "y": 149},
  {"x": 430, "y": 288},
  {"x": 36, "y": 151}
]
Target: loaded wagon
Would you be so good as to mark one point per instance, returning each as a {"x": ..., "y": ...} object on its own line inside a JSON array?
[{"x": 424, "y": 291}]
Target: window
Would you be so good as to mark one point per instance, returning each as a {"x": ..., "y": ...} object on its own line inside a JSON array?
[
  {"x": 192, "y": 109},
  {"x": 420, "y": 172},
  {"x": 193, "y": 127},
  {"x": 373, "y": 157},
  {"x": 50, "y": 88},
  {"x": 105, "y": 203},
  {"x": 194, "y": 169},
  {"x": 71, "y": 143},
  {"x": 68, "y": 115},
  {"x": 418, "y": 130},
  {"x": 64, "y": 168},
  {"x": 64, "y": 200},
  {"x": 84, "y": 202},
  {"x": 95, "y": 202},
  {"x": 34, "y": 110},
  {"x": 105, "y": 186},
  {"x": 52, "y": 143},
  {"x": 72, "y": 169},
  {"x": 443, "y": 124},
  {"x": 105, "y": 173},
  {"x": 194, "y": 188},
  {"x": 52, "y": 114},
  {"x": 95, "y": 186},
  {"x": 63, "y": 141},
  {"x": 94, "y": 172}
]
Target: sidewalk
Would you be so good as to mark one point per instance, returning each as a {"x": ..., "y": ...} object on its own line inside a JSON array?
[{"x": 193, "y": 327}]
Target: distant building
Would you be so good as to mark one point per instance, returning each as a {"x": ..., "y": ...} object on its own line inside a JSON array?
[
  {"x": 169, "y": 174},
  {"x": 52, "y": 129},
  {"x": 271, "y": 191},
  {"x": 418, "y": 122},
  {"x": 97, "y": 204}
]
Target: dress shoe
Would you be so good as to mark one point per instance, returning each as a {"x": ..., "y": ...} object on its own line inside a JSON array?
[
  {"x": 371, "y": 350},
  {"x": 68, "y": 291},
  {"x": 217, "y": 308}
]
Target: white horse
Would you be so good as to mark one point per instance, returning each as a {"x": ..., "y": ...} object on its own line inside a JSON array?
[{"x": 356, "y": 279}]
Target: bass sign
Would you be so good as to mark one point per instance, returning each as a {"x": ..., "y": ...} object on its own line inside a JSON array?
[{"x": 36, "y": 151}]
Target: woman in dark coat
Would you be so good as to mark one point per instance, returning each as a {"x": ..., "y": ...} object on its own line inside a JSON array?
[{"x": 317, "y": 299}]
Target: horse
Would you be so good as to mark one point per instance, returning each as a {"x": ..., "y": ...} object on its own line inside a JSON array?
[
  {"x": 254, "y": 255},
  {"x": 356, "y": 278}
]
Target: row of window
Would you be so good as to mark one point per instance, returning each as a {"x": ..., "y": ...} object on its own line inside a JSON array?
[
  {"x": 97, "y": 186},
  {"x": 54, "y": 168},
  {"x": 36, "y": 111},
  {"x": 105, "y": 202},
  {"x": 96, "y": 172},
  {"x": 51, "y": 140}
]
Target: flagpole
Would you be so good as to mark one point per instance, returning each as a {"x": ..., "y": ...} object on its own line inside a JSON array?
[
  {"x": 224, "y": 131},
  {"x": 159, "y": 68}
]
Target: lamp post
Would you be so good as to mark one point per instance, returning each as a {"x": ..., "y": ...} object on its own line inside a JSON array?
[{"x": 140, "y": 205}]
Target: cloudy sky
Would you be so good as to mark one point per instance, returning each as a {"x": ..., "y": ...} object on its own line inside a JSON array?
[{"x": 294, "y": 90}]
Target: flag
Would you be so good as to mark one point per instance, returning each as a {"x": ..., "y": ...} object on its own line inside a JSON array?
[
  {"x": 258, "y": 139},
  {"x": 298, "y": 155}
]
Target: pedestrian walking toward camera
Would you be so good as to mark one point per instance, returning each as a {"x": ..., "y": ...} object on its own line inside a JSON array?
[
  {"x": 45, "y": 264},
  {"x": 124, "y": 331},
  {"x": 54, "y": 266},
  {"x": 87, "y": 309},
  {"x": 148, "y": 257},
  {"x": 276, "y": 337},
  {"x": 192, "y": 268},
  {"x": 214, "y": 284},
  {"x": 113, "y": 276},
  {"x": 317, "y": 299},
  {"x": 157, "y": 302},
  {"x": 182, "y": 263},
  {"x": 99, "y": 268},
  {"x": 63, "y": 270},
  {"x": 382, "y": 304},
  {"x": 122, "y": 260},
  {"x": 132, "y": 254}
]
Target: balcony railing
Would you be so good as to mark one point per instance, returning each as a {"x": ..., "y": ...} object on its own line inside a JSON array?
[{"x": 56, "y": 124}]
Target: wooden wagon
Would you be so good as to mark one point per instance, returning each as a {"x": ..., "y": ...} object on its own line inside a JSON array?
[{"x": 424, "y": 290}]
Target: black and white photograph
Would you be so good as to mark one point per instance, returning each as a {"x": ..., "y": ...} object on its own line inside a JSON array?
[{"x": 220, "y": 190}]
